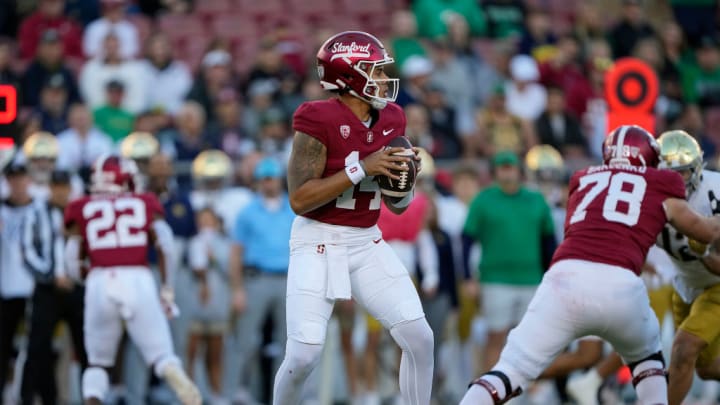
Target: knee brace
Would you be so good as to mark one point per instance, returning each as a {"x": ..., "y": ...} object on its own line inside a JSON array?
[
  {"x": 95, "y": 383},
  {"x": 650, "y": 372},
  {"x": 509, "y": 393}
]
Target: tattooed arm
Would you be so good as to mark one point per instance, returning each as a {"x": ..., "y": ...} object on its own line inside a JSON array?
[{"x": 307, "y": 189}]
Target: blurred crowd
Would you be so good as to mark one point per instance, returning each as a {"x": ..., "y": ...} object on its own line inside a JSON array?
[{"x": 201, "y": 94}]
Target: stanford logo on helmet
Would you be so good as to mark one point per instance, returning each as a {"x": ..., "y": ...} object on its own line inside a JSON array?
[{"x": 341, "y": 50}]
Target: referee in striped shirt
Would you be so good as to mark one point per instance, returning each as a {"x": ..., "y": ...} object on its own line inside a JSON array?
[{"x": 56, "y": 296}]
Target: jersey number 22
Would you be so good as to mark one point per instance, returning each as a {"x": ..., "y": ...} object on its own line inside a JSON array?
[{"x": 119, "y": 225}]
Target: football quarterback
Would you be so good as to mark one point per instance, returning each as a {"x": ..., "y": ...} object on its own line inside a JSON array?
[{"x": 697, "y": 284}]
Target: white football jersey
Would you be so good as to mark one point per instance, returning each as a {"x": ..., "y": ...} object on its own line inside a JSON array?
[
  {"x": 692, "y": 277},
  {"x": 227, "y": 203}
]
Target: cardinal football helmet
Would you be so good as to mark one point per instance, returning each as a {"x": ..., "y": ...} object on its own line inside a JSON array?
[
  {"x": 113, "y": 174},
  {"x": 631, "y": 145},
  {"x": 348, "y": 61},
  {"x": 679, "y": 151}
]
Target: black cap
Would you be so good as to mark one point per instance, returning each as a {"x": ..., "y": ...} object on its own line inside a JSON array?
[
  {"x": 60, "y": 177},
  {"x": 15, "y": 169}
]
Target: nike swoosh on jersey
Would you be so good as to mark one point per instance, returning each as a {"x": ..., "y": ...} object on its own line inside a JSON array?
[{"x": 386, "y": 133}]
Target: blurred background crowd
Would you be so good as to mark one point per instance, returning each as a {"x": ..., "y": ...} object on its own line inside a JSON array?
[{"x": 201, "y": 94}]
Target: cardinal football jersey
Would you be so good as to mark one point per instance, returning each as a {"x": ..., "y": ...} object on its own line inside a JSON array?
[
  {"x": 615, "y": 213},
  {"x": 115, "y": 227},
  {"x": 347, "y": 141}
]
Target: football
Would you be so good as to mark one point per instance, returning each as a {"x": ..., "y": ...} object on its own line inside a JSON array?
[{"x": 401, "y": 187}]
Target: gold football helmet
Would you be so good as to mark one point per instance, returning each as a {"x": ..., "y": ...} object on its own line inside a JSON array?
[
  {"x": 212, "y": 164},
  {"x": 139, "y": 146},
  {"x": 679, "y": 151},
  {"x": 544, "y": 163},
  {"x": 41, "y": 145}
]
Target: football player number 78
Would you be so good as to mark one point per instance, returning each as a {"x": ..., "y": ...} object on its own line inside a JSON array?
[
  {"x": 119, "y": 225},
  {"x": 632, "y": 197},
  {"x": 347, "y": 199}
]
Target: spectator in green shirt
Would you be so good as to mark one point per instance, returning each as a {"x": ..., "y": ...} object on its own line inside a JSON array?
[
  {"x": 404, "y": 41},
  {"x": 514, "y": 227},
  {"x": 433, "y": 16},
  {"x": 111, "y": 118},
  {"x": 701, "y": 81}
]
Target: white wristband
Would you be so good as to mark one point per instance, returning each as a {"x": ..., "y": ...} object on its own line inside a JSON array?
[{"x": 355, "y": 172}]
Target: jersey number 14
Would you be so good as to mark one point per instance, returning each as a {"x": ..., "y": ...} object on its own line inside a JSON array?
[
  {"x": 617, "y": 193},
  {"x": 347, "y": 199}
]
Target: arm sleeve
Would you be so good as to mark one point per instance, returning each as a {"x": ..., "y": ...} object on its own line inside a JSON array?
[{"x": 308, "y": 119}]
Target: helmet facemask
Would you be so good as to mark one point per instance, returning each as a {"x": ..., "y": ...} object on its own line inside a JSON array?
[
  {"x": 691, "y": 173},
  {"x": 373, "y": 91}
]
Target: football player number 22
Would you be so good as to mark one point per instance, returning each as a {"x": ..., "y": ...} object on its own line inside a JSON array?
[
  {"x": 367, "y": 185},
  {"x": 119, "y": 224},
  {"x": 617, "y": 193}
]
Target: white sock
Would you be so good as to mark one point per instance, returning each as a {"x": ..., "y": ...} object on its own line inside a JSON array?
[{"x": 651, "y": 390}]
